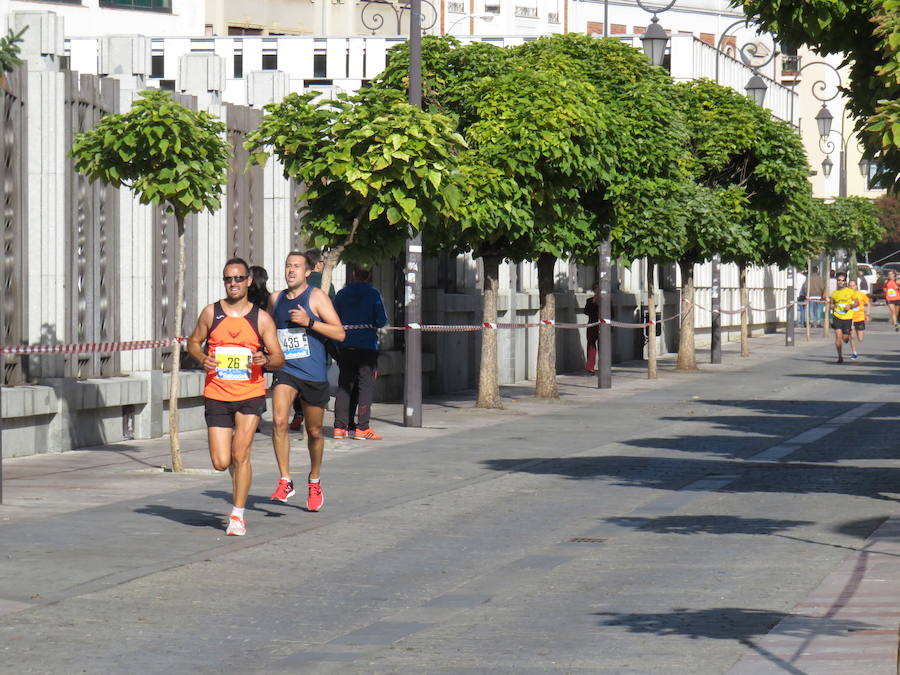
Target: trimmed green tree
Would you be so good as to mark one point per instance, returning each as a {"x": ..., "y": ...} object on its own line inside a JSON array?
[
  {"x": 375, "y": 169},
  {"x": 169, "y": 155}
]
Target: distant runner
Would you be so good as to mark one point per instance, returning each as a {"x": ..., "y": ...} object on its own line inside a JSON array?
[
  {"x": 842, "y": 304},
  {"x": 892, "y": 297},
  {"x": 860, "y": 315},
  {"x": 235, "y": 333}
]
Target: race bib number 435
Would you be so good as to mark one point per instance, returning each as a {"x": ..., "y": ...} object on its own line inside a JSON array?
[
  {"x": 233, "y": 363},
  {"x": 294, "y": 343}
]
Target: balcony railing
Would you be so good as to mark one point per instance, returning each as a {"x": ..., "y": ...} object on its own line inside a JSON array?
[{"x": 528, "y": 12}]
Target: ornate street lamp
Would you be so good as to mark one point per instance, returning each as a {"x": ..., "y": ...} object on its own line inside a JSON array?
[
  {"x": 655, "y": 37},
  {"x": 827, "y": 166},
  {"x": 824, "y": 118},
  {"x": 756, "y": 90}
]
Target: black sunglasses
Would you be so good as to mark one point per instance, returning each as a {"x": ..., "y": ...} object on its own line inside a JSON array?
[{"x": 239, "y": 278}]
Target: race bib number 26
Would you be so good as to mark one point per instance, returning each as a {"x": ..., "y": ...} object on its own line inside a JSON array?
[
  {"x": 233, "y": 363},
  {"x": 294, "y": 343}
]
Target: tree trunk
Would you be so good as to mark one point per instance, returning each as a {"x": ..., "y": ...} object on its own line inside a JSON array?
[
  {"x": 651, "y": 316},
  {"x": 686, "y": 356},
  {"x": 333, "y": 256},
  {"x": 545, "y": 384},
  {"x": 488, "y": 380},
  {"x": 745, "y": 311},
  {"x": 174, "y": 444}
]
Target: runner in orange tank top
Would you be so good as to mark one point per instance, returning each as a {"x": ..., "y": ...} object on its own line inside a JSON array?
[
  {"x": 239, "y": 340},
  {"x": 892, "y": 297}
]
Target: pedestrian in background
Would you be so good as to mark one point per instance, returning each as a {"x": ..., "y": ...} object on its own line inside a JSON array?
[
  {"x": 800, "y": 285},
  {"x": 258, "y": 293},
  {"x": 358, "y": 304},
  {"x": 592, "y": 309},
  {"x": 815, "y": 295},
  {"x": 892, "y": 297}
]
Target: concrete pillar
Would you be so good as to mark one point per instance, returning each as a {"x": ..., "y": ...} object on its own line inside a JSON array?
[
  {"x": 270, "y": 86},
  {"x": 148, "y": 422},
  {"x": 203, "y": 76},
  {"x": 45, "y": 256},
  {"x": 126, "y": 58}
]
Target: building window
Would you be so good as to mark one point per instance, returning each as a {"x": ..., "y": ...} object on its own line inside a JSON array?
[
  {"x": 238, "y": 65},
  {"x": 492, "y": 8},
  {"x": 243, "y": 30},
  {"x": 142, "y": 5},
  {"x": 63, "y": 2},
  {"x": 270, "y": 61},
  {"x": 528, "y": 12},
  {"x": 553, "y": 17},
  {"x": 320, "y": 66},
  {"x": 456, "y": 7},
  {"x": 157, "y": 65},
  {"x": 167, "y": 85}
]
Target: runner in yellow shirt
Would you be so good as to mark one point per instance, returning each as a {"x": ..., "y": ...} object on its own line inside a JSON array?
[
  {"x": 842, "y": 303},
  {"x": 860, "y": 316}
]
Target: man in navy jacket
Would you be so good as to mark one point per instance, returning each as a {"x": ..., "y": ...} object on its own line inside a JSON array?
[{"x": 358, "y": 304}]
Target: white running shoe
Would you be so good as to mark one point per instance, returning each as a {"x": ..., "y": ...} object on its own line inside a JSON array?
[{"x": 236, "y": 527}]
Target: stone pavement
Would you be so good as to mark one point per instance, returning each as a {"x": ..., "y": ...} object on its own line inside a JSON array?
[{"x": 100, "y": 548}]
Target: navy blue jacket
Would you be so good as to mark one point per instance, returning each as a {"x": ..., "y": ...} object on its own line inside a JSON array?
[{"x": 357, "y": 304}]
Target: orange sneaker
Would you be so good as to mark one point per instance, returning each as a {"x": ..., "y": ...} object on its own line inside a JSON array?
[
  {"x": 316, "y": 498},
  {"x": 236, "y": 527},
  {"x": 366, "y": 435},
  {"x": 340, "y": 433},
  {"x": 284, "y": 490}
]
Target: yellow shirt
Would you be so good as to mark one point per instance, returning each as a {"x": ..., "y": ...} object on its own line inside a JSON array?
[
  {"x": 860, "y": 313},
  {"x": 844, "y": 299}
]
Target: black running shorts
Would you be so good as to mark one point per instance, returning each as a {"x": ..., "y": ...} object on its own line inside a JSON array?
[
  {"x": 859, "y": 325},
  {"x": 843, "y": 325},
  {"x": 314, "y": 393},
  {"x": 221, "y": 413}
]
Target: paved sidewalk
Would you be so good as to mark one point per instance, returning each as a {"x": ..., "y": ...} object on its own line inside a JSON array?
[{"x": 848, "y": 624}]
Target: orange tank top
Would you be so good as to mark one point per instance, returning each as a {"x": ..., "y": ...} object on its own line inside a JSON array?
[
  {"x": 232, "y": 340},
  {"x": 891, "y": 290}
]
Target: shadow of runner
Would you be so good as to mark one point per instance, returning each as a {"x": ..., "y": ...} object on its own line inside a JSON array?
[
  {"x": 734, "y": 623},
  {"x": 192, "y": 517}
]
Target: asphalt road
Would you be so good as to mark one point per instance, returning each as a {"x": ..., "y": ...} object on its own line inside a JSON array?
[{"x": 662, "y": 527}]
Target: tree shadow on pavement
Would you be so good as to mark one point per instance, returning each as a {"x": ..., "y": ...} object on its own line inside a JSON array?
[
  {"x": 693, "y": 524},
  {"x": 734, "y": 623},
  {"x": 777, "y": 421},
  {"x": 673, "y": 473}
]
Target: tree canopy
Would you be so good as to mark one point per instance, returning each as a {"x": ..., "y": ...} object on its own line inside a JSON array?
[
  {"x": 166, "y": 153},
  {"x": 374, "y": 167}
]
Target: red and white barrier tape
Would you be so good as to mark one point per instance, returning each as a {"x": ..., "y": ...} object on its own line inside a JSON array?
[
  {"x": 90, "y": 347},
  {"x": 109, "y": 347}
]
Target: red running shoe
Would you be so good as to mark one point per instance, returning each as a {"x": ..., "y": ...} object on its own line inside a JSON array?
[
  {"x": 297, "y": 422},
  {"x": 284, "y": 490},
  {"x": 316, "y": 498},
  {"x": 340, "y": 433},
  {"x": 366, "y": 435}
]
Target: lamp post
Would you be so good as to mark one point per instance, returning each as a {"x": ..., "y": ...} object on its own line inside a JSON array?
[
  {"x": 371, "y": 17},
  {"x": 487, "y": 18},
  {"x": 756, "y": 91},
  {"x": 412, "y": 277},
  {"x": 824, "y": 120}
]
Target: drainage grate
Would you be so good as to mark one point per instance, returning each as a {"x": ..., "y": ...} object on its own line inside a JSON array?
[{"x": 587, "y": 540}]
